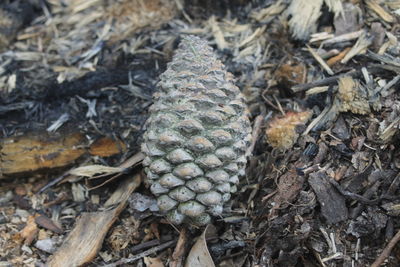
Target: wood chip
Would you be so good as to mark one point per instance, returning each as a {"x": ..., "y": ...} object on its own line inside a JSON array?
[
  {"x": 343, "y": 37},
  {"x": 333, "y": 205},
  {"x": 320, "y": 61},
  {"x": 85, "y": 240},
  {"x": 380, "y": 11},
  {"x": 335, "y": 6},
  {"x": 32, "y": 152},
  {"x": 333, "y": 60},
  {"x": 359, "y": 47},
  {"x": 305, "y": 14},
  {"x": 217, "y": 32},
  {"x": 106, "y": 146}
]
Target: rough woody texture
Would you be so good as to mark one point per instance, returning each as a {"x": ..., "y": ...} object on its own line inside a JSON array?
[
  {"x": 196, "y": 136},
  {"x": 12, "y": 17}
]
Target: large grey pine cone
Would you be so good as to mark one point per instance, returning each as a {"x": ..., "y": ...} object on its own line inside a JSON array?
[{"x": 196, "y": 137}]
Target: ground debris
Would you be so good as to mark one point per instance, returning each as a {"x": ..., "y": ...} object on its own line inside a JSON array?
[
  {"x": 282, "y": 133},
  {"x": 332, "y": 204},
  {"x": 320, "y": 79},
  {"x": 83, "y": 243},
  {"x": 352, "y": 96}
]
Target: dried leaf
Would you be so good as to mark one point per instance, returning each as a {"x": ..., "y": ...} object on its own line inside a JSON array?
[
  {"x": 48, "y": 224},
  {"x": 92, "y": 170},
  {"x": 30, "y": 230},
  {"x": 289, "y": 186},
  {"x": 180, "y": 249},
  {"x": 199, "y": 254}
]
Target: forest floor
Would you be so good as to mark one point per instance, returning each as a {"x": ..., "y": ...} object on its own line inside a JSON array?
[{"x": 321, "y": 80}]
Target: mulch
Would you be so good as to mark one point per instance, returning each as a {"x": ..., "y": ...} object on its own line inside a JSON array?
[{"x": 321, "y": 82}]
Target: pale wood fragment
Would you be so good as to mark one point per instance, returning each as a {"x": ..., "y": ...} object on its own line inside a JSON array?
[{"x": 86, "y": 239}]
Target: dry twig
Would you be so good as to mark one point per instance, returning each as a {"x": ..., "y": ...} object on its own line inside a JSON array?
[
  {"x": 143, "y": 254},
  {"x": 386, "y": 252}
]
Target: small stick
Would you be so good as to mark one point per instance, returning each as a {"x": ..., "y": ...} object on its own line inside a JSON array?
[
  {"x": 322, "y": 82},
  {"x": 177, "y": 255},
  {"x": 269, "y": 101},
  {"x": 343, "y": 38},
  {"x": 141, "y": 255},
  {"x": 372, "y": 69},
  {"x": 333, "y": 60},
  {"x": 386, "y": 251},
  {"x": 279, "y": 105},
  {"x": 320, "y": 61},
  {"x": 256, "y": 132}
]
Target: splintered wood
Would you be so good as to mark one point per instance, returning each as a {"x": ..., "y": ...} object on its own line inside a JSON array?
[
  {"x": 304, "y": 17},
  {"x": 86, "y": 239},
  {"x": 31, "y": 152}
]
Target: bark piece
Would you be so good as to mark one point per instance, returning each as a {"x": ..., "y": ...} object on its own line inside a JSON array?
[
  {"x": 106, "y": 146},
  {"x": 33, "y": 152},
  {"x": 333, "y": 205}
]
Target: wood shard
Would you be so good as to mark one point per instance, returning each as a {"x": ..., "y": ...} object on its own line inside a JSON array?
[
  {"x": 105, "y": 147},
  {"x": 380, "y": 11},
  {"x": 85, "y": 240},
  {"x": 32, "y": 153},
  {"x": 320, "y": 61},
  {"x": 359, "y": 47},
  {"x": 305, "y": 14}
]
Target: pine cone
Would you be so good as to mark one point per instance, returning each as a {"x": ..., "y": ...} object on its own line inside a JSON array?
[{"x": 196, "y": 137}]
